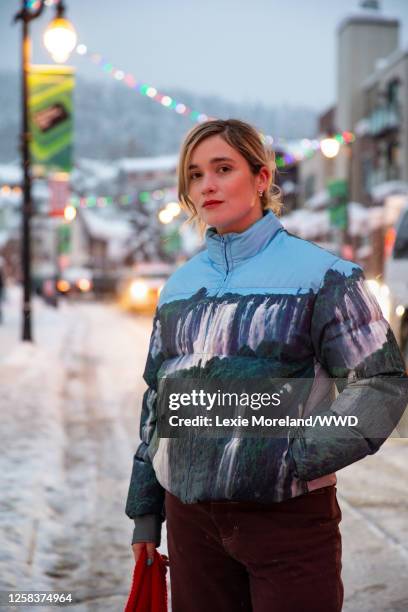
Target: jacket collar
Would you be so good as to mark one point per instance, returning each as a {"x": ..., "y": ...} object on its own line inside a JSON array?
[{"x": 235, "y": 247}]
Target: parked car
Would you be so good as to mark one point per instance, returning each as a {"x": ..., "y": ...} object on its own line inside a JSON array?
[
  {"x": 139, "y": 288},
  {"x": 396, "y": 279},
  {"x": 75, "y": 281}
]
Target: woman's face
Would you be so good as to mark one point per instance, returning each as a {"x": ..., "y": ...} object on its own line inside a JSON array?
[{"x": 222, "y": 187}]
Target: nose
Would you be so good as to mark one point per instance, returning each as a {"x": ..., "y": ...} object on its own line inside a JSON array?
[{"x": 208, "y": 185}]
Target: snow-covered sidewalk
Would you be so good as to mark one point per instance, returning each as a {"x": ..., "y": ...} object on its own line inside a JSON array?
[
  {"x": 31, "y": 434},
  {"x": 69, "y": 427}
]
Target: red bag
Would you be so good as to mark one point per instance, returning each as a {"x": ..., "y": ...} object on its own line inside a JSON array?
[{"x": 149, "y": 590}]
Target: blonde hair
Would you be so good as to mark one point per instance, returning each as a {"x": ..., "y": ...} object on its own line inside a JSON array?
[{"x": 243, "y": 138}]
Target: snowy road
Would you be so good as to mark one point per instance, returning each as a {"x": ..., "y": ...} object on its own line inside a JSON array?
[
  {"x": 69, "y": 427},
  {"x": 70, "y": 407}
]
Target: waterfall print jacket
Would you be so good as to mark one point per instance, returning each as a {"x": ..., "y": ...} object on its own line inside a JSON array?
[{"x": 267, "y": 302}]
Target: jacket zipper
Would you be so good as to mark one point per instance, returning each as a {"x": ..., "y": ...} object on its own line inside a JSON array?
[
  {"x": 227, "y": 266},
  {"x": 225, "y": 256}
]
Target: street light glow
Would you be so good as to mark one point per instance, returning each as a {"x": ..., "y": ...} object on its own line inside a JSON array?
[
  {"x": 82, "y": 49},
  {"x": 165, "y": 216},
  {"x": 330, "y": 147},
  {"x": 174, "y": 208},
  {"x": 69, "y": 213},
  {"x": 139, "y": 290},
  {"x": 60, "y": 39}
]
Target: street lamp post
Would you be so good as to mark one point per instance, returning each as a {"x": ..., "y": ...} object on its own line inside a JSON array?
[{"x": 25, "y": 15}]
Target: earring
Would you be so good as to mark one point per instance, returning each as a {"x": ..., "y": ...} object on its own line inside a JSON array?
[{"x": 260, "y": 192}]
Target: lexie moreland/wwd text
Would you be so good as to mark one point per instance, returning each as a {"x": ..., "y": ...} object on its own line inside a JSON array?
[{"x": 262, "y": 421}]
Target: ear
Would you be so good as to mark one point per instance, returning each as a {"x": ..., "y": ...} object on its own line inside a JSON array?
[{"x": 263, "y": 178}]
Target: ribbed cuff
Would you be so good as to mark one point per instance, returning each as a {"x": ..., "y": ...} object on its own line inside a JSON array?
[{"x": 147, "y": 529}]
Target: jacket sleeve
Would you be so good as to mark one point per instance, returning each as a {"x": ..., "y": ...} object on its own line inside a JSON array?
[
  {"x": 355, "y": 344},
  {"x": 146, "y": 495}
]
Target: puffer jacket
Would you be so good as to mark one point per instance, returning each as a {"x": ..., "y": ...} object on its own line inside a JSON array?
[{"x": 264, "y": 301}]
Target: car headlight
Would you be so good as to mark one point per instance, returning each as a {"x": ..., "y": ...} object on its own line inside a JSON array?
[
  {"x": 382, "y": 294},
  {"x": 63, "y": 285},
  {"x": 84, "y": 284},
  {"x": 138, "y": 291}
]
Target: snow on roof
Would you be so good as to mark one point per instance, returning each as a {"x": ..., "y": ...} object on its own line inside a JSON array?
[
  {"x": 116, "y": 232},
  {"x": 40, "y": 190},
  {"x": 102, "y": 170},
  {"x": 307, "y": 224},
  {"x": 381, "y": 191},
  {"x": 312, "y": 225},
  {"x": 383, "y": 65},
  {"x": 289, "y": 187},
  {"x": 148, "y": 164},
  {"x": 319, "y": 199},
  {"x": 362, "y": 127},
  {"x": 10, "y": 174},
  {"x": 367, "y": 16},
  {"x": 11, "y": 200},
  {"x": 105, "y": 228},
  {"x": 4, "y": 237},
  {"x": 362, "y": 219}
]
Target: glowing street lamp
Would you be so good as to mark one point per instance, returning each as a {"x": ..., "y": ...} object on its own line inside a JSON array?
[
  {"x": 174, "y": 208},
  {"x": 69, "y": 213},
  {"x": 330, "y": 147},
  {"x": 165, "y": 216},
  {"x": 59, "y": 39}
]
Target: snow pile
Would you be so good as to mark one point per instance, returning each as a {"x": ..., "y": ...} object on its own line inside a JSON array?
[
  {"x": 31, "y": 461},
  {"x": 314, "y": 225},
  {"x": 306, "y": 224},
  {"x": 318, "y": 200},
  {"x": 10, "y": 174},
  {"x": 4, "y": 238},
  {"x": 92, "y": 176},
  {"x": 383, "y": 190},
  {"x": 148, "y": 164},
  {"x": 363, "y": 220}
]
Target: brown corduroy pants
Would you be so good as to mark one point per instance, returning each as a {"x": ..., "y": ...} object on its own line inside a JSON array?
[{"x": 250, "y": 557}]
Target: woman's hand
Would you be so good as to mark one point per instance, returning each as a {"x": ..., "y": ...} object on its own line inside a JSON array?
[{"x": 138, "y": 547}]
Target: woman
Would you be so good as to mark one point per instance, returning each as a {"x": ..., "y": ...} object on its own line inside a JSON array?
[{"x": 252, "y": 523}]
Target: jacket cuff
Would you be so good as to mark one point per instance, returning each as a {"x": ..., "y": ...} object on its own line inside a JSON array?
[{"x": 147, "y": 529}]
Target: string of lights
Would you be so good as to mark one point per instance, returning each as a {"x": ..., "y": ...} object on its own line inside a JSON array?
[
  {"x": 93, "y": 201},
  {"x": 288, "y": 152},
  {"x": 33, "y": 5},
  {"x": 144, "y": 89},
  {"x": 157, "y": 195}
]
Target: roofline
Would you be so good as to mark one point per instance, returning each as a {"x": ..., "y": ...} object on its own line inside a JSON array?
[{"x": 368, "y": 20}]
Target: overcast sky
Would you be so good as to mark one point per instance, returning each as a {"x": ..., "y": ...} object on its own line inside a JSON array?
[{"x": 274, "y": 51}]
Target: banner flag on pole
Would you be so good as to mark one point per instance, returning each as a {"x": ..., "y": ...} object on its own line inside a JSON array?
[
  {"x": 50, "y": 104},
  {"x": 339, "y": 193},
  {"x": 59, "y": 187}
]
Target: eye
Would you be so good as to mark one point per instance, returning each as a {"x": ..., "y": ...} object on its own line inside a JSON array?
[
  {"x": 224, "y": 169},
  {"x": 194, "y": 176}
]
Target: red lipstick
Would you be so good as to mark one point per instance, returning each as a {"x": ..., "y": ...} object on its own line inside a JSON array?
[{"x": 211, "y": 203}]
